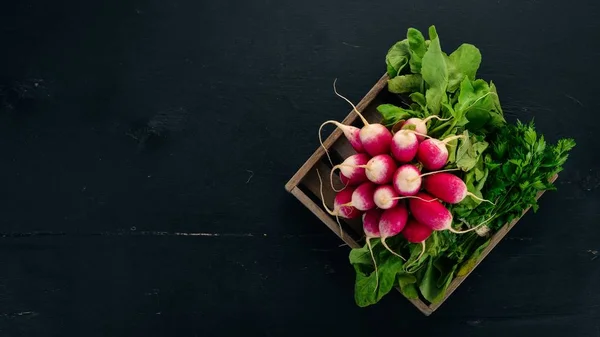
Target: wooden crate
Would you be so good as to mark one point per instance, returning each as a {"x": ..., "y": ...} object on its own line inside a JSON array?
[{"x": 304, "y": 185}]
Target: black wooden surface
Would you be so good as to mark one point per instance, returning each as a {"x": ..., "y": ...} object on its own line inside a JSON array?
[{"x": 145, "y": 146}]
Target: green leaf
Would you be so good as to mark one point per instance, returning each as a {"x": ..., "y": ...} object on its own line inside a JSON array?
[
  {"x": 417, "y": 46},
  {"x": 405, "y": 84},
  {"x": 407, "y": 283},
  {"x": 397, "y": 58},
  {"x": 435, "y": 281},
  {"x": 419, "y": 98},
  {"x": 392, "y": 114},
  {"x": 463, "y": 62},
  {"x": 366, "y": 290},
  {"x": 469, "y": 264},
  {"x": 469, "y": 151},
  {"x": 435, "y": 73}
]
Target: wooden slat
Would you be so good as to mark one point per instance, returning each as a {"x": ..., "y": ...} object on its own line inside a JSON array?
[
  {"x": 500, "y": 234},
  {"x": 321, "y": 214},
  {"x": 318, "y": 154}
]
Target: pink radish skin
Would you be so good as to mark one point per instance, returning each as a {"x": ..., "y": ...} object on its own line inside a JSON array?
[
  {"x": 420, "y": 125},
  {"x": 433, "y": 153},
  {"x": 384, "y": 197},
  {"x": 362, "y": 197},
  {"x": 416, "y": 232},
  {"x": 351, "y": 133},
  {"x": 352, "y": 168},
  {"x": 370, "y": 221},
  {"x": 375, "y": 138},
  {"x": 407, "y": 180},
  {"x": 391, "y": 223},
  {"x": 404, "y": 146},
  {"x": 341, "y": 205},
  {"x": 380, "y": 169},
  {"x": 430, "y": 212},
  {"x": 448, "y": 188}
]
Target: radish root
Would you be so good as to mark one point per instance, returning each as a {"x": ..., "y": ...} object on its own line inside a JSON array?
[
  {"x": 436, "y": 117},
  {"x": 434, "y": 172},
  {"x": 478, "y": 198},
  {"x": 347, "y": 100},
  {"x": 471, "y": 229},
  {"x": 326, "y": 208},
  {"x": 374, "y": 264},
  {"x": 390, "y": 250},
  {"x": 414, "y": 197},
  {"x": 408, "y": 265},
  {"x": 449, "y": 139},
  {"x": 339, "y": 125}
]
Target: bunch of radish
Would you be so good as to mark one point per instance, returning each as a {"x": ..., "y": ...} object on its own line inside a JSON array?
[{"x": 395, "y": 182}]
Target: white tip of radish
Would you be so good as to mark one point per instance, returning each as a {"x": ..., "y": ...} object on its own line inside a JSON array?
[
  {"x": 407, "y": 180},
  {"x": 404, "y": 146},
  {"x": 380, "y": 169},
  {"x": 384, "y": 197},
  {"x": 376, "y": 139}
]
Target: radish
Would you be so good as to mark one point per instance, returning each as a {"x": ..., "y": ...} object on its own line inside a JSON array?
[
  {"x": 340, "y": 204},
  {"x": 362, "y": 197},
  {"x": 371, "y": 228},
  {"x": 375, "y": 138},
  {"x": 448, "y": 188},
  {"x": 407, "y": 179},
  {"x": 391, "y": 223},
  {"x": 416, "y": 232},
  {"x": 433, "y": 153},
  {"x": 430, "y": 212},
  {"x": 421, "y": 125},
  {"x": 433, "y": 214},
  {"x": 351, "y": 133},
  {"x": 404, "y": 146},
  {"x": 385, "y": 196},
  {"x": 380, "y": 169},
  {"x": 352, "y": 168}
]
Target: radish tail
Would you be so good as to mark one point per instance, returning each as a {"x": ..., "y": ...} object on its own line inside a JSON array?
[
  {"x": 374, "y": 264},
  {"x": 321, "y": 139},
  {"x": 478, "y": 198},
  {"x": 347, "y": 100},
  {"x": 449, "y": 139},
  {"x": 434, "y": 172},
  {"x": 413, "y": 197},
  {"x": 408, "y": 265},
  {"x": 436, "y": 117},
  {"x": 390, "y": 250},
  {"x": 331, "y": 178},
  {"x": 322, "y": 197},
  {"x": 470, "y": 229}
]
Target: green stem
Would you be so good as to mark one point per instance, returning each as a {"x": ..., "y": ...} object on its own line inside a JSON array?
[{"x": 438, "y": 128}]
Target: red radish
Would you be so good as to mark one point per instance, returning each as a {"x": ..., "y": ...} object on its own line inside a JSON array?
[
  {"x": 340, "y": 204},
  {"x": 352, "y": 169},
  {"x": 416, "y": 232},
  {"x": 375, "y": 138},
  {"x": 385, "y": 196},
  {"x": 404, "y": 146},
  {"x": 448, "y": 188},
  {"x": 351, "y": 133},
  {"x": 362, "y": 197},
  {"x": 371, "y": 228},
  {"x": 407, "y": 180},
  {"x": 421, "y": 125},
  {"x": 430, "y": 212},
  {"x": 433, "y": 153},
  {"x": 380, "y": 169},
  {"x": 391, "y": 223}
]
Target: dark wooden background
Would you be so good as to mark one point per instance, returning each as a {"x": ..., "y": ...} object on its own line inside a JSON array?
[{"x": 144, "y": 148}]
